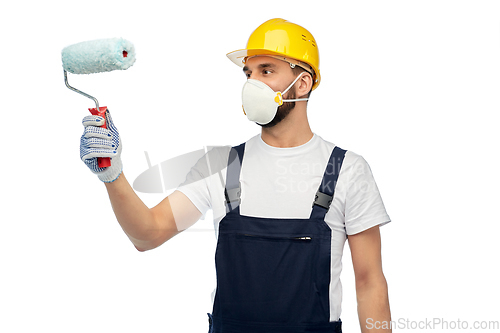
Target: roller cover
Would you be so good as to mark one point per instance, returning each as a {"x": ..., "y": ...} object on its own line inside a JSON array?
[{"x": 96, "y": 56}]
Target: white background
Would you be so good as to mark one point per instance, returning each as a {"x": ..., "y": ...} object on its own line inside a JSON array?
[{"x": 410, "y": 85}]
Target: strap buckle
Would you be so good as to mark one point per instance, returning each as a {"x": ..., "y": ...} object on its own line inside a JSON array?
[
  {"x": 232, "y": 196},
  {"x": 323, "y": 200}
]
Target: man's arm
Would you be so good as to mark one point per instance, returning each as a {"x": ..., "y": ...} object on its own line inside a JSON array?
[
  {"x": 149, "y": 228},
  {"x": 371, "y": 286},
  {"x": 146, "y": 228}
]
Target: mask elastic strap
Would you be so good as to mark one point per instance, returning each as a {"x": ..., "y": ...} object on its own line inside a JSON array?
[
  {"x": 290, "y": 86},
  {"x": 296, "y": 100}
]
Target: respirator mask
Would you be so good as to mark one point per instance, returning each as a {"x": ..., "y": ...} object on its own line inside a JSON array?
[{"x": 261, "y": 102}]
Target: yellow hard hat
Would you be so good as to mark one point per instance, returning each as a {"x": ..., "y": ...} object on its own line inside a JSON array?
[{"x": 283, "y": 40}]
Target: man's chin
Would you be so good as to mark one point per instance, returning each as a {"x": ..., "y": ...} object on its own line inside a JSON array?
[{"x": 283, "y": 111}]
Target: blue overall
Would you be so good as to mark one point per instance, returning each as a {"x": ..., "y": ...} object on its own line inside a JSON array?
[{"x": 273, "y": 275}]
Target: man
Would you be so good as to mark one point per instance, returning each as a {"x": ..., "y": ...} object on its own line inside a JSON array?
[{"x": 283, "y": 206}]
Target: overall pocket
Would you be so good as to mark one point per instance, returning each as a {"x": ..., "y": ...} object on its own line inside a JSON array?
[{"x": 270, "y": 278}]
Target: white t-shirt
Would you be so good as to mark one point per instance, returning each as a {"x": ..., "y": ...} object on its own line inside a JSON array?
[{"x": 282, "y": 183}]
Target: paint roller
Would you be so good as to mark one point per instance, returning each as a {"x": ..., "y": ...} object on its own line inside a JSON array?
[{"x": 97, "y": 56}]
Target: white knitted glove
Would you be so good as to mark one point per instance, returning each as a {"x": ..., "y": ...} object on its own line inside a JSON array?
[{"x": 101, "y": 142}]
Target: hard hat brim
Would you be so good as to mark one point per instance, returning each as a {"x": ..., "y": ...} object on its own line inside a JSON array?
[{"x": 238, "y": 57}]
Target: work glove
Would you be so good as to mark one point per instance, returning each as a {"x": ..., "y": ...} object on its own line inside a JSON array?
[{"x": 101, "y": 142}]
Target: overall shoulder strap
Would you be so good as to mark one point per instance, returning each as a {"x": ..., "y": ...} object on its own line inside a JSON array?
[
  {"x": 232, "y": 190},
  {"x": 324, "y": 195}
]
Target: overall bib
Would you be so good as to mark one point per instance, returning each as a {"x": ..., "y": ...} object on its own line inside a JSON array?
[{"x": 273, "y": 275}]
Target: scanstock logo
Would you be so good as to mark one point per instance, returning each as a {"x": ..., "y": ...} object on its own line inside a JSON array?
[{"x": 169, "y": 174}]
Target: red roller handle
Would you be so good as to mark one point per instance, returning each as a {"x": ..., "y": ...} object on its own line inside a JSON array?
[{"x": 102, "y": 162}]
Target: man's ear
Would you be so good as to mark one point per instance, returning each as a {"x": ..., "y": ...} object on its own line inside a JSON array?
[{"x": 305, "y": 85}]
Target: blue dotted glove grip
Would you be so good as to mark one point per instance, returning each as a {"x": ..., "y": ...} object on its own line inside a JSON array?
[{"x": 101, "y": 142}]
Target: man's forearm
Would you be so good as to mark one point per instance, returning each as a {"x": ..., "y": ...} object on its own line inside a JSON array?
[
  {"x": 373, "y": 306},
  {"x": 135, "y": 218}
]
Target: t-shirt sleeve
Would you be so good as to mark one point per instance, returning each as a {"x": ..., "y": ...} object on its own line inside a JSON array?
[
  {"x": 196, "y": 189},
  {"x": 364, "y": 207},
  {"x": 203, "y": 177}
]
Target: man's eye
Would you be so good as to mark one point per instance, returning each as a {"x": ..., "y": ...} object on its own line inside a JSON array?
[{"x": 267, "y": 72}]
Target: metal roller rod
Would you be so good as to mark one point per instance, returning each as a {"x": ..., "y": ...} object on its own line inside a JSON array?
[{"x": 79, "y": 91}]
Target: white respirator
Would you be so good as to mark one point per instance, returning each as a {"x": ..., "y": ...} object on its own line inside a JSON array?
[{"x": 261, "y": 102}]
